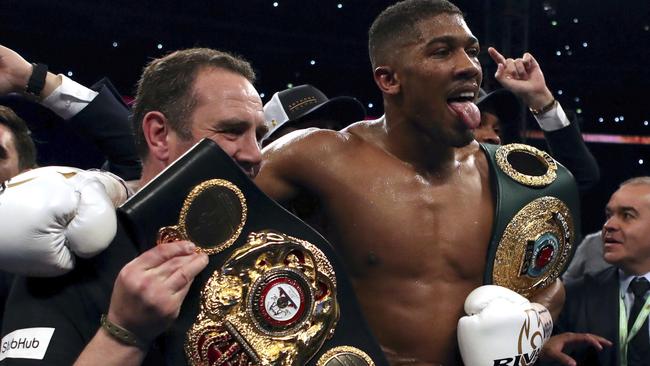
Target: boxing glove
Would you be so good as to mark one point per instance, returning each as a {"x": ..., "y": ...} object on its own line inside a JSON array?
[
  {"x": 50, "y": 215},
  {"x": 502, "y": 328}
]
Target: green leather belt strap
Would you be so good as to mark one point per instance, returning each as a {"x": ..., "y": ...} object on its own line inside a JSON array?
[{"x": 511, "y": 197}]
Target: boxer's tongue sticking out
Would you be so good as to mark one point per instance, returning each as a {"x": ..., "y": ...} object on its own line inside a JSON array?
[{"x": 463, "y": 105}]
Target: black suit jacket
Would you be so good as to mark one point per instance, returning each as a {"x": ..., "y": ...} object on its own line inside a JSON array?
[
  {"x": 106, "y": 123},
  {"x": 567, "y": 146},
  {"x": 592, "y": 307}
]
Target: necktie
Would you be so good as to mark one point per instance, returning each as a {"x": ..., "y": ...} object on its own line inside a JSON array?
[{"x": 638, "y": 349}]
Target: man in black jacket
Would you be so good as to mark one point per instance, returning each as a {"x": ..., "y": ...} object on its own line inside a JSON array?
[{"x": 604, "y": 303}]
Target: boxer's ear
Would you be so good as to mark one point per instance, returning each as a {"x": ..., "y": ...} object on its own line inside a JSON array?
[
  {"x": 156, "y": 130},
  {"x": 386, "y": 79}
]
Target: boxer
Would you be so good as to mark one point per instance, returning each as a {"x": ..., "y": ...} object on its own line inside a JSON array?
[{"x": 407, "y": 198}]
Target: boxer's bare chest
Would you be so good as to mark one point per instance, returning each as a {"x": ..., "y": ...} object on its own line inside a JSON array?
[
  {"x": 415, "y": 246},
  {"x": 388, "y": 218},
  {"x": 414, "y": 242}
]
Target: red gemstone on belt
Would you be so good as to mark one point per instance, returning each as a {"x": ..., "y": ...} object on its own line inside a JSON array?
[{"x": 544, "y": 256}]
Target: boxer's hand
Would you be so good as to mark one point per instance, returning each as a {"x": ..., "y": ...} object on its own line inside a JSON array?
[
  {"x": 502, "y": 328},
  {"x": 49, "y": 215},
  {"x": 149, "y": 291}
]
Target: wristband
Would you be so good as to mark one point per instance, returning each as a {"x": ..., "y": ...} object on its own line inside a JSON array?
[
  {"x": 544, "y": 109},
  {"x": 119, "y": 333},
  {"x": 36, "y": 81}
]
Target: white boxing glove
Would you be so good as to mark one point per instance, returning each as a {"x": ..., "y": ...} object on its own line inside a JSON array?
[
  {"x": 48, "y": 215},
  {"x": 502, "y": 328}
]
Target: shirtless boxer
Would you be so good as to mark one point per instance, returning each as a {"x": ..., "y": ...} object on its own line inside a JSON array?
[{"x": 407, "y": 197}]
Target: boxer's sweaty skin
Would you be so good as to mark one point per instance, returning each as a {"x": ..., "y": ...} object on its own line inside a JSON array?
[
  {"x": 414, "y": 244},
  {"x": 405, "y": 199}
]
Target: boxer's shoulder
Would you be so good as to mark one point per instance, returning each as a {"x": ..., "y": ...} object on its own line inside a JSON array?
[
  {"x": 318, "y": 147},
  {"x": 302, "y": 158},
  {"x": 305, "y": 142}
]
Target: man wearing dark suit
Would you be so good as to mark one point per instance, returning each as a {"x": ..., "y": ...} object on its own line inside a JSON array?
[
  {"x": 105, "y": 122},
  {"x": 608, "y": 304}
]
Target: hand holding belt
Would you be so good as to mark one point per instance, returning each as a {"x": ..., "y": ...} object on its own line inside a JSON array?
[{"x": 274, "y": 292}]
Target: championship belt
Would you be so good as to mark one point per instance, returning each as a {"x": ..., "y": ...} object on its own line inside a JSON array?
[
  {"x": 274, "y": 291},
  {"x": 537, "y": 218}
]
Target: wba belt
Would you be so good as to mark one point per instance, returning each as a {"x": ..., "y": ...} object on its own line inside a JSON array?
[
  {"x": 537, "y": 216},
  {"x": 274, "y": 291}
]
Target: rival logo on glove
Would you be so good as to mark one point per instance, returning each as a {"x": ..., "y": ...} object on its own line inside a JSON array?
[
  {"x": 538, "y": 319},
  {"x": 524, "y": 359}
]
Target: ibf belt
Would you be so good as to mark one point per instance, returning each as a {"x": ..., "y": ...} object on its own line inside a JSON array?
[
  {"x": 537, "y": 216},
  {"x": 274, "y": 291}
]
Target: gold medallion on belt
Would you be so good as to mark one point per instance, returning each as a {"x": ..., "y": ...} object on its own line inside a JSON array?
[
  {"x": 536, "y": 244},
  {"x": 213, "y": 216},
  {"x": 273, "y": 302}
]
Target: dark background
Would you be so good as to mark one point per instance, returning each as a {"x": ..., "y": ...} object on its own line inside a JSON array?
[{"x": 594, "y": 55}]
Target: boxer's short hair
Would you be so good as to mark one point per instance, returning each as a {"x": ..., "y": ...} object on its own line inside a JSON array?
[
  {"x": 398, "y": 23},
  {"x": 167, "y": 85}
]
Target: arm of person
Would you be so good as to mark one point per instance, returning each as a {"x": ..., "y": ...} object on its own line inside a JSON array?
[
  {"x": 551, "y": 297},
  {"x": 15, "y": 72},
  {"x": 111, "y": 351},
  {"x": 288, "y": 162},
  {"x": 99, "y": 115},
  {"x": 553, "y": 349},
  {"x": 106, "y": 122},
  {"x": 524, "y": 77},
  {"x": 568, "y": 147},
  {"x": 146, "y": 299}
]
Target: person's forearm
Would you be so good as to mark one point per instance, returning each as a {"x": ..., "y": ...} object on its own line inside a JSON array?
[
  {"x": 567, "y": 147},
  {"x": 537, "y": 99},
  {"x": 52, "y": 82},
  {"x": 105, "y": 121},
  {"x": 552, "y": 297},
  {"x": 105, "y": 350}
]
